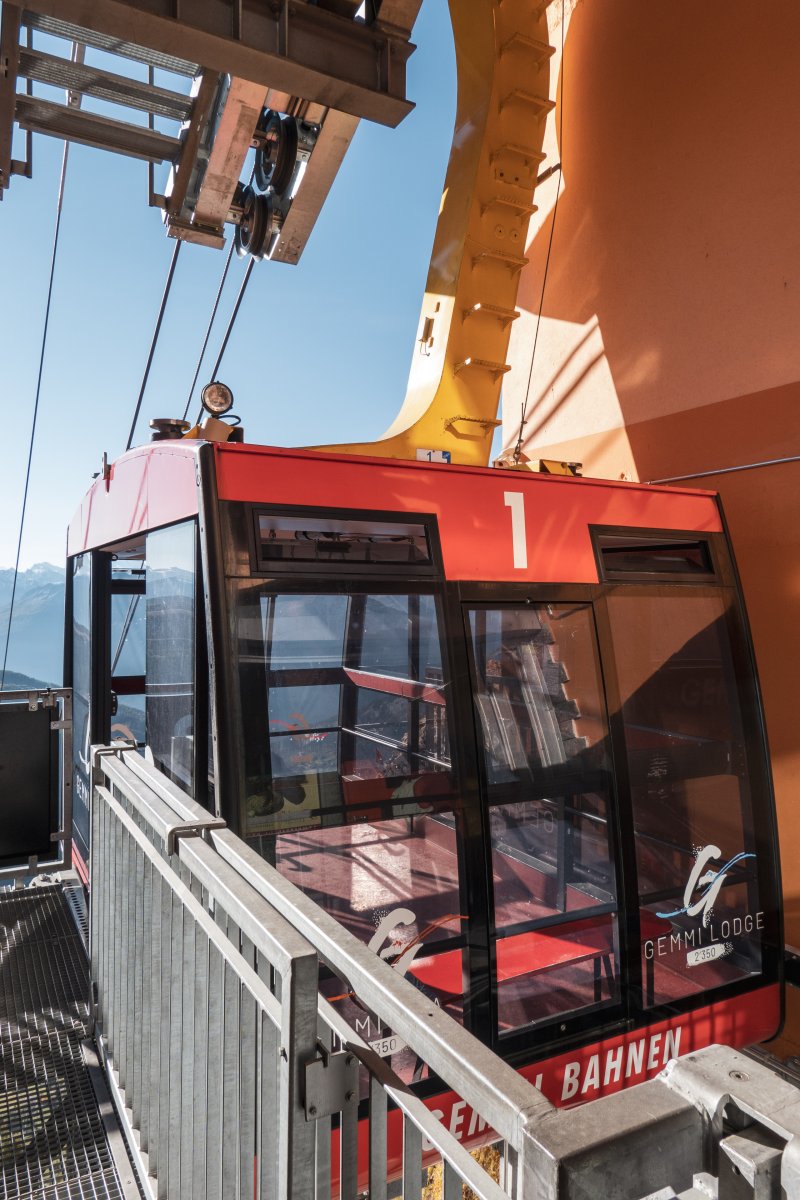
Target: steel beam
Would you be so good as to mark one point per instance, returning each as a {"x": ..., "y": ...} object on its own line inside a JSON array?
[
  {"x": 190, "y": 142},
  {"x": 326, "y": 158},
  {"x": 9, "y": 65},
  {"x": 232, "y": 140},
  {"x": 400, "y": 14},
  {"x": 111, "y": 45},
  {"x": 103, "y": 85},
  {"x": 298, "y": 48},
  {"x": 57, "y": 120}
]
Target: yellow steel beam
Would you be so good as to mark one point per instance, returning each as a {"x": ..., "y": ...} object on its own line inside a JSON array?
[{"x": 502, "y": 61}]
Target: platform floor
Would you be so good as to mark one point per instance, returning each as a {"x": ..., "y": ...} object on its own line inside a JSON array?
[{"x": 54, "y": 1136}]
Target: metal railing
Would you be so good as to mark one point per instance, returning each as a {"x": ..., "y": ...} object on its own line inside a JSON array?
[
  {"x": 36, "y": 781},
  {"x": 234, "y": 1076},
  {"x": 237, "y": 1077}
]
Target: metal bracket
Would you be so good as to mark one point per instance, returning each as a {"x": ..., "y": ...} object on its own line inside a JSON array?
[
  {"x": 486, "y": 423},
  {"x": 331, "y": 1083},
  {"x": 187, "y": 831},
  {"x": 100, "y": 752}
]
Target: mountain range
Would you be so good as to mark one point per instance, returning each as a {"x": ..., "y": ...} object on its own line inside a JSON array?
[{"x": 36, "y": 644}]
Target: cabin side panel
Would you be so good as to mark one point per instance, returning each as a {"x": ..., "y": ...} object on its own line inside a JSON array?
[
  {"x": 152, "y": 486},
  {"x": 493, "y": 524}
]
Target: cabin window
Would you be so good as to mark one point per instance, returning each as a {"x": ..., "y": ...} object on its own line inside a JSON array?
[
  {"x": 642, "y": 554},
  {"x": 128, "y": 645},
  {"x": 297, "y": 537},
  {"x": 348, "y": 782},
  {"x": 692, "y": 808},
  {"x": 170, "y": 656},
  {"x": 81, "y": 696},
  {"x": 352, "y": 717},
  {"x": 540, "y": 706}
]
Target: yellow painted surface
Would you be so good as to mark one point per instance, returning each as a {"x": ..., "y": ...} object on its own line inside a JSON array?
[{"x": 459, "y": 359}]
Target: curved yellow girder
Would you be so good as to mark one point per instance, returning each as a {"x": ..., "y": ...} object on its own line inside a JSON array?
[{"x": 503, "y": 72}]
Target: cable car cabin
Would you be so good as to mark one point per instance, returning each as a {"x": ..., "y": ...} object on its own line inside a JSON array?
[{"x": 504, "y": 726}]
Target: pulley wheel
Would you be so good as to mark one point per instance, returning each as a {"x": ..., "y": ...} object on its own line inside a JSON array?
[
  {"x": 251, "y": 230},
  {"x": 263, "y": 228},
  {"x": 277, "y": 156}
]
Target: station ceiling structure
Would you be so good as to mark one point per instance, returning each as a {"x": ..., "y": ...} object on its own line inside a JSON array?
[{"x": 252, "y": 65}]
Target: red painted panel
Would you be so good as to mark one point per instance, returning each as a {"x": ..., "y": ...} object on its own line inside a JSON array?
[
  {"x": 475, "y": 522},
  {"x": 597, "y": 1070},
  {"x": 522, "y": 954},
  {"x": 150, "y": 486}
]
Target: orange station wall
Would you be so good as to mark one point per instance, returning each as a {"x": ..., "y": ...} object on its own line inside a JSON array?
[{"x": 669, "y": 342}]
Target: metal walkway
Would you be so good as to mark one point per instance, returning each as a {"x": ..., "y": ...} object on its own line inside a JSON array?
[{"x": 53, "y": 1138}]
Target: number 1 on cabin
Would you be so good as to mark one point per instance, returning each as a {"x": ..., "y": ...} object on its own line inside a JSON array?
[{"x": 516, "y": 502}]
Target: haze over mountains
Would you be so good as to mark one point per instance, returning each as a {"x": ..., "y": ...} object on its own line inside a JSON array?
[{"x": 36, "y": 646}]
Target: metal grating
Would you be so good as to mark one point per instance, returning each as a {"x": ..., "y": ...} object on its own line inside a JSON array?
[
  {"x": 76, "y": 901},
  {"x": 52, "y": 1142}
]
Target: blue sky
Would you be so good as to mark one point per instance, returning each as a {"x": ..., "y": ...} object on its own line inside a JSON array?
[{"x": 320, "y": 352}]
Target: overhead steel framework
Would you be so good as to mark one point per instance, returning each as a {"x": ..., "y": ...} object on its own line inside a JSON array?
[{"x": 325, "y": 64}]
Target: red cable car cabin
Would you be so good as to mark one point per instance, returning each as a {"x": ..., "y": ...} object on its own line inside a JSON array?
[{"x": 504, "y": 726}]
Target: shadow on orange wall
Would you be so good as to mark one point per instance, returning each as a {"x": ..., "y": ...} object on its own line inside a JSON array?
[
  {"x": 670, "y": 339},
  {"x": 678, "y": 225}
]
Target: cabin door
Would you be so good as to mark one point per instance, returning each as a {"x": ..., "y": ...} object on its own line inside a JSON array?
[{"x": 547, "y": 784}]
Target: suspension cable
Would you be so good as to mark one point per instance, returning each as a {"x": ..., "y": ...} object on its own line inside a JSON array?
[
  {"x": 211, "y": 320},
  {"x": 59, "y": 206},
  {"x": 518, "y": 446},
  {"x": 231, "y": 322},
  {"x": 213, "y": 316},
  {"x": 154, "y": 342}
]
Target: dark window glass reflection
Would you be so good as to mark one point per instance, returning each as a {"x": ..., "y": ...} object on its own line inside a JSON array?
[
  {"x": 81, "y": 691},
  {"x": 545, "y": 745},
  {"x": 690, "y": 788},
  {"x": 170, "y": 674}
]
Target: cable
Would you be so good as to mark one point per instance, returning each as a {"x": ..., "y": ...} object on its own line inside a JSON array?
[
  {"x": 156, "y": 332},
  {"x": 208, "y": 329},
  {"x": 213, "y": 316},
  {"x": 518, "y": 447},
  {"x": 231, "y": 322},
  {"x": 59, "y": 206}
]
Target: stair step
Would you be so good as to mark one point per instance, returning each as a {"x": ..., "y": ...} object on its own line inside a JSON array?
[
  {"x": 504, "y": 315},
  {"x": 514, "y": 261},
  {"x": 538, "y": 8},
  {"x": 541, "y": 51},
  {"x": 526, "y": 152},
  {"x": 518, "y": 206},
  {"x": 484, "y": 364},
  {"x": 539, "y": 103}
]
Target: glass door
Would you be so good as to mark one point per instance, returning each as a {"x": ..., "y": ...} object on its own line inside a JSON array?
[{"x": 544, "y": 753}]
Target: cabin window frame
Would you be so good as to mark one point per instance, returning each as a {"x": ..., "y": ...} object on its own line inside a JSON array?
[
  {"x": 708, "y": 542},
  {"x": 431, "y": 569}
]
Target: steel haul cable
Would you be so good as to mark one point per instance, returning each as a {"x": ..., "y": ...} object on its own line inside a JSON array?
[
  {"x": 211, "y": 320},
  {"x": 213, "y": 316},
  {"x": 231, "y": 322},
  {"x": 154, "y": 342},
  {"x": 59, "y": 206}
]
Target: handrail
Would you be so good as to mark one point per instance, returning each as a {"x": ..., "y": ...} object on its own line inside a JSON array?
[
  {"x": 206, "y": 1001},
  {"x": 136, "y": 810},
  {"x": 238, "y": 1078},
  {"x": 486, "y": 1082}
]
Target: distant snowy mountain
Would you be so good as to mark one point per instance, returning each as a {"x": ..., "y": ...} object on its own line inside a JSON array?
[{"x": 36, "y": 646}]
